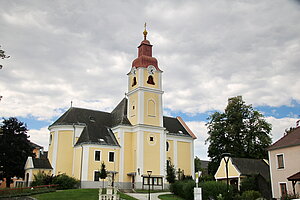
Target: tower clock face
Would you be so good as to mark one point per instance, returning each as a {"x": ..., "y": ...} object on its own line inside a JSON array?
[
  {"x": 151, "y": 69},
  {"x": 133, "y": 70}
]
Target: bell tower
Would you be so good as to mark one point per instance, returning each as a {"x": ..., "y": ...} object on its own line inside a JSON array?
[{"x": 145, "y": 88}]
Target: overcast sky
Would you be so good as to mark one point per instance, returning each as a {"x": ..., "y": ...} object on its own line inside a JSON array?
[{"x": 81, "y": 51}]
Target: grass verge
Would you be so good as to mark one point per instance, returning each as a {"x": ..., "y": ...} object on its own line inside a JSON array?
[
  {"x": 169, "y": 197},
  {"x": 76, "y": 194}
]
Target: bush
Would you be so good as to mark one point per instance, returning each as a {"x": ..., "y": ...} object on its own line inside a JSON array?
[
  {"x": 213, "y": 189},
  {"x": 62, "y": 180},
  {"x": 184, "y": 189},
  {"x": 250, "y": 195},
  {"x": 42, "y": 179},
  {"x": 249, "y": 183},
  {"x": 290, "y": 196},
  {"x": 65, "y": 182}
]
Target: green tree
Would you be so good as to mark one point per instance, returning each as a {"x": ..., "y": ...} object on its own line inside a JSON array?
[
  {"x": 2, "y": 55},
  {"x": 170, "y": 172},
  {"x": 103, "y": 173},
  {"x": 14, "y": 149},
  {"x": 240, "y": 130},
  {"x": 197, "y": 163}
]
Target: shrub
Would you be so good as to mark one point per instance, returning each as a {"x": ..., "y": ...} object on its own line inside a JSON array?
[
  {"x": 250, "y": 195},
  {"x": 42, "y": 179},
  {"x": 213, "y": 189},
  {"x": 249, "y": 183},
  {"x": 290, "y": 196},
  {"x": 184, "y": 189},
  {"x": 65, "y": 182}
]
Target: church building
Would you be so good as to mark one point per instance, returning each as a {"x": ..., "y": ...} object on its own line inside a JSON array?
[{"x": 133, "y": 140}]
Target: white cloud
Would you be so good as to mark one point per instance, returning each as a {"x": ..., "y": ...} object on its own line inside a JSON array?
[
  {"x": 40, "y": 137},
  {"x": 78, "y": 51},
  {"x": 200, "y": 130}
]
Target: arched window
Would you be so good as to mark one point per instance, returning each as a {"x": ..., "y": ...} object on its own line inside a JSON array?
[
  {"x": 150, "y": 80},
  {"x": 134, "y": 82},
  {"x": 167, "y": 146},
  {"x": 151, "y": 108}
]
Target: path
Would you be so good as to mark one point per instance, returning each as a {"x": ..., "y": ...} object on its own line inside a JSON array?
[{"x": 144, "y": 196}]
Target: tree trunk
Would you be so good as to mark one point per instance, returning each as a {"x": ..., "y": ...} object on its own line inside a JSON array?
[{"x": 8, "y": 179}]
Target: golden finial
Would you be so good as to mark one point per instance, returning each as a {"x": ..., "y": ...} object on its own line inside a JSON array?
[{"x": 145, "y": 32}]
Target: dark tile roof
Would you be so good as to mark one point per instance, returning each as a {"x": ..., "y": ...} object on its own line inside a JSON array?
[
  {"x": 248, "y": 166},
  {"x": 204, "y": 164},
  {"x": 119, "y": 114},
  {"x": 35, "y": 145},
  {"x": 294, "y": 177},
  {"x": 40, "y": 163},
  {"x": 174, "y": 127},
  {"x": 290, "y": 139},
  {"x": 98, "y": 124}
]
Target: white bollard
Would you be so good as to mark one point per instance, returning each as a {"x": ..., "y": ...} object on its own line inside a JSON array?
[{"x": 197, "y": 193}]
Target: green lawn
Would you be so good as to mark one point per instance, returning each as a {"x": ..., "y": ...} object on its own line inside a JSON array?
[
  {"x": 169, "y": 197},
  {"x": 76, "y": 194}
]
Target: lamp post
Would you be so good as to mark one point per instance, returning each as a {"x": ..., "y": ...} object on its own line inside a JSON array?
[
  {"x": 149, "y": 175},
  {"x": 226, "y": 156}
]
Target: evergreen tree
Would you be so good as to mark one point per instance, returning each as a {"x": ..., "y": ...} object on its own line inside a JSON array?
[
  {"x": 14, "y": 149},
  {"x": 103, "y": 173},
  {"x": 170, "y": 172},
  {"x": 197, "y": 163},
  {"x": 240, "y": 130}
]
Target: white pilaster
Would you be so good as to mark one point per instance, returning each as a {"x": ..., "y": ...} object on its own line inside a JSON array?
[
  {"x": 54, "y": 152},
  {"x": 85, "y": 163}
]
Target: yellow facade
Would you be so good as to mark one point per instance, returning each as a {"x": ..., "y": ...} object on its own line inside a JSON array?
[
  {"x": 51, "y": 146},
  {"x": 170, "y": 152},
  {"x": 96, "y": 165},
  {"x": 152, "y": 153},
  {"x": 184, "y": 157},
  {"x": 133, "y": 108},
  {"x": 129, "y": 154},
  {"x": 151, "y": 113},
  {"x": 221, "y": 172},
  {"x": 77, "y": 162},
  {"x": 64, "y": 159}
]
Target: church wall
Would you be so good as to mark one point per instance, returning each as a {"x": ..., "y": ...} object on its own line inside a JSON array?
[
  {"x": 129, "y": 155},
  {"x": 170, "y": 152},
  {"x": 50, "y": 148},
  {"x": 152, "y": 153},
  {"x": 104, "y": 157},
  {"x": 133, "y": 108},
  {"x": 184, "y": 157},
  {"x": 64, "y": 158},
  {"x": 151, "y": 117},
  {"x": 77, "y": 162}
]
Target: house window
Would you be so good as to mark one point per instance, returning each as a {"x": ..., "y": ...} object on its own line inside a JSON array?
[
  {"x": 111, "y": 156},
  {"x": 151, "y": 139},
  {"x": 50, "y": 139},
  {"x": 96, "y": 175},
  {"x": 283, "y": 190},
  {"x": 97, "y": 155},
  {"x": 280, "y": 161}
]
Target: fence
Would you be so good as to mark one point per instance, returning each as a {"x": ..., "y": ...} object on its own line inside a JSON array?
[{"x": 25, "y": 191}]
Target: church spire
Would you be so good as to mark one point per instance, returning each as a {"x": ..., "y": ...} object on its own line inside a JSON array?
[
  {"x": 145, "y": 58},
  {"x": 145, "y": 32}
]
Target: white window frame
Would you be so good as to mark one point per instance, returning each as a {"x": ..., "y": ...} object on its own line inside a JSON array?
[
  {"x": 94, "y": 175},
  {"x": 283, "y": 159},
  {"x": 114, "y": 156},
  {"x": 150, "y": 114},
  {"x": 95, "y": 156},
  {"x": 279, "y": 188}
]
